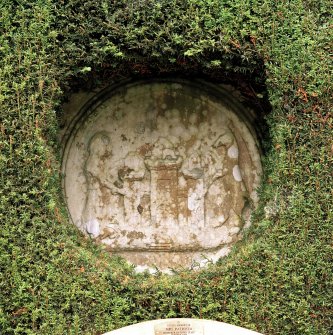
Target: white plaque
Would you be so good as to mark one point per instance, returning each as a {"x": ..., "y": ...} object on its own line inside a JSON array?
[
  {"x": 179, "y": 327},
  {"x": 182, "y": 327}
]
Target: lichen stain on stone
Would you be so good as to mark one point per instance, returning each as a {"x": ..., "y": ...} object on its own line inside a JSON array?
[
  {"x": 136, "y": 235},
  {"x": 145, "y": 149},
  {"x": 105, "y": 196}
]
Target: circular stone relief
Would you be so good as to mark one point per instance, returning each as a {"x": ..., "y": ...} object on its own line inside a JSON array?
[{"x": 162, "y": 173}]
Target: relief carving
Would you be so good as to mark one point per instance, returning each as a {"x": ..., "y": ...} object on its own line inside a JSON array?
[
  {"x": 202, "y": 189},
  {"x": 104, "y": 200},
  {"x": 163, "y": 178},
  {"x": 163, "y": 164}
]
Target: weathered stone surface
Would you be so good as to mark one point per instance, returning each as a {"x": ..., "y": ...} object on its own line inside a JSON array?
[
  {"x": 161, "y": 173},
  {"x": 182, "y": 327}
]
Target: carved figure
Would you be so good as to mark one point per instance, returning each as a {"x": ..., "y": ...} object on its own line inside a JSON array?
[
  {"x": 201, "y": 168},
  {"x": 136, "y": 190},
  {"x": 104, "y": 200},
  {"x": 225, "y": 199}
]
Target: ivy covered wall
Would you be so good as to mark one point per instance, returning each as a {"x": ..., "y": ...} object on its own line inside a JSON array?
[{"x": 279, "y": 280}]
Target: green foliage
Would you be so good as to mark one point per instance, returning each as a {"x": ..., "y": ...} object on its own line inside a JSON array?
[{"x": 279, "y": 280}]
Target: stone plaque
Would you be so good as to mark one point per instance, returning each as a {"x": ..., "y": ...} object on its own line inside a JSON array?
[
  {"x": 161, "y": 173},
  {"x": 179, "y": 327},
  {"x": 182, "y": 327}
]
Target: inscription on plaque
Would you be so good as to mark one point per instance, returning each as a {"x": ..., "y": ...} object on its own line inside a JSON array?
[
  {"x": 182, "y": 327},
  {"x": 162, "y": 168},
  {"x": 179, "y": 328}
]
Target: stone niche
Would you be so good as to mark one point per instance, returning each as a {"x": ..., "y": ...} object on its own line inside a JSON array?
[{"x": 163, "y": 173}]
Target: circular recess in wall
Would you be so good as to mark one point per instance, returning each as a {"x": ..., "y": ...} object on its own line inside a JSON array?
[{"x": 162, "y": 172}]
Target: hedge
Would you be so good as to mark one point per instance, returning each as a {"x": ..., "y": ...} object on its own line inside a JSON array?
[{"x": 279, "y": 279}]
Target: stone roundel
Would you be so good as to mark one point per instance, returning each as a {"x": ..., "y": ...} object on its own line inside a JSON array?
[{"x": 163, "y": 173}]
